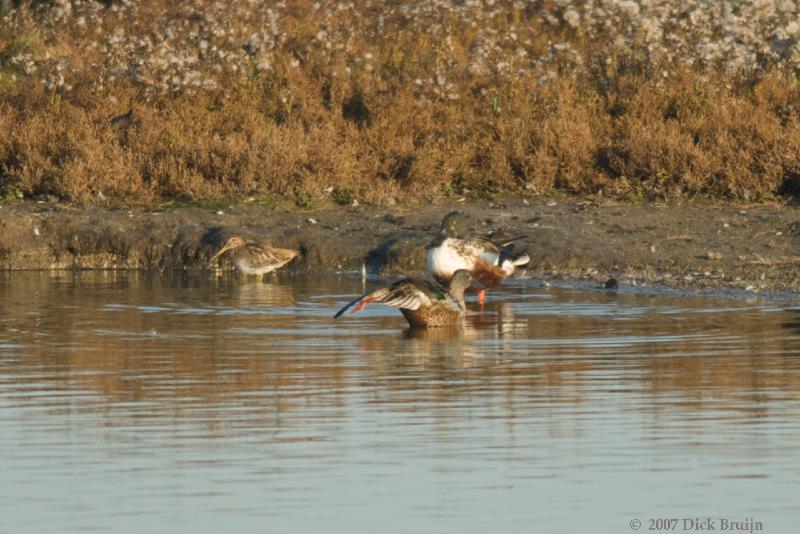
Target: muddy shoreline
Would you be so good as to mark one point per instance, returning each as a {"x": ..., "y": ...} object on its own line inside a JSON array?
[{"x": 684, "y": 246}]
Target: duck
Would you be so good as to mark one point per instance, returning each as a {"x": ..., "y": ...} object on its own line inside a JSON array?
[
  {"x": 487, "y": 262},
  {"x": 424, "y": 303},
  {"x": 251, "y": 257}
]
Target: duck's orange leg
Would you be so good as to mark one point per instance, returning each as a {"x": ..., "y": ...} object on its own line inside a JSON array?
[{"x": 481, "y": 296}]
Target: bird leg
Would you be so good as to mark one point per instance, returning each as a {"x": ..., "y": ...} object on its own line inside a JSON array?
[{"x": 481, "y": 296}]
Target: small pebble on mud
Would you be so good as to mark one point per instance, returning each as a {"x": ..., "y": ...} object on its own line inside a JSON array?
[{"x": 713, "y": 256}]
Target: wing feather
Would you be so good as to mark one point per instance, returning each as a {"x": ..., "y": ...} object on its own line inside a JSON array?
[
  {"x": 403, "y": 294},
  {"x": 406, "y": 294}
]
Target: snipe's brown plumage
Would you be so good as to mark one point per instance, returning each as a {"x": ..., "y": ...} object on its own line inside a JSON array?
[{"x": 251, "y": 257}]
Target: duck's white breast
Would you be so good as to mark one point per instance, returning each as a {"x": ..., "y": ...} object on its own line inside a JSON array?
[{"x": 447, "y": 258}]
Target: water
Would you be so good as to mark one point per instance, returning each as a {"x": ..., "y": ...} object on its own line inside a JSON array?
[{"x": 134, "y": 403}]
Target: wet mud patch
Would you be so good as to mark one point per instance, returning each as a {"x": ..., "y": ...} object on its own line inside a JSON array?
[{"x": 753, "y": 247}]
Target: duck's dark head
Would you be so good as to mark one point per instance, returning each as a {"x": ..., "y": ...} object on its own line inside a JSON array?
[
  {"x": 460, "y": 281},
  {"x": 453, "y": 225}
]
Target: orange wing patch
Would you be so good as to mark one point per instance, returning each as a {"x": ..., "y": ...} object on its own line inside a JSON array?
[{"x": 363, "y": 304}]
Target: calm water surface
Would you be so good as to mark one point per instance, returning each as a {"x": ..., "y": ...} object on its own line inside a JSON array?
[{"x": 134, "y": 403}]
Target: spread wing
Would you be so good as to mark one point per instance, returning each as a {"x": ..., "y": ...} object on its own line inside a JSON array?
[
  {"x": 405, "y": 294},
  {"x": 432, "y": 289}
]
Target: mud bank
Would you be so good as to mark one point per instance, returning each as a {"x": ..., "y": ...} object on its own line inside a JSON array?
[{"x": 756, "y": 247}]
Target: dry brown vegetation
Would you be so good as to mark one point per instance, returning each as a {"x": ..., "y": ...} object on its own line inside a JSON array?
[{"x": 149, "y": 101}]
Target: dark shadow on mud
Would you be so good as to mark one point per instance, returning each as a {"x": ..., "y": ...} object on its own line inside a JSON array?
[
  {"x": 790, "y": 188},
  {"x": 379, "y": 257},
  {"x": 215, "y": 237}
]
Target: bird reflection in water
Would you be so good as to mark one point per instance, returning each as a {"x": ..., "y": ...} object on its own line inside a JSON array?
[{"x": 255, "y": 293}]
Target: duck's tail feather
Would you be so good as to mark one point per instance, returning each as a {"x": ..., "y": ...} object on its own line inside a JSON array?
[
  {"x": 517, "y": 260},
  {"x": 504, "y": 244},
  {"x": 521, "y": 260}
]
